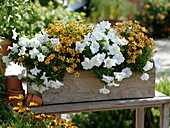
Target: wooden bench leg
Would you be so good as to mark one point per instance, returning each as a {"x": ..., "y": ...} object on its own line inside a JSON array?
[
  {"x": 164, "y": 116},
  {"x": 140, "y": 117}
]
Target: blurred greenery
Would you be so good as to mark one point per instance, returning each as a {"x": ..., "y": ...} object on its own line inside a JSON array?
[
  {"x": 122, "y": 118},
  {"x": 155, "y": 16},
  {"x": 30, "y": 18},
  {"x": 110, "y": 10}
]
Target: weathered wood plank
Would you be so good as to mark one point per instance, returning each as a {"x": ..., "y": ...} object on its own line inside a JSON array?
[
  {"x": 140, "y": 117},
  {"x": 164, "y": 116},
  {"x": 158, "y": 100},
  {"x": 86, "y": 88}
]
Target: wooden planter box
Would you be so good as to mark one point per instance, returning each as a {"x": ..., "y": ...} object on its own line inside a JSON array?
[{"x": 86, "y": 88}]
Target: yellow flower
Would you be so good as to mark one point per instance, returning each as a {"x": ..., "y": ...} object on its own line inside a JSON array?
[
  {"x": 12, "y": 97},
  {"x": 20, "y": 103},
  {"x": 54, "y": 68},
  {"x": 20, "y": 97},
  {"x": 151, "y": 17},
  {"x": 77, "y": 74},
  {"x": 147, "y": 6},
  {"x": 47, "y": 61},
  {"x": 21, "y": 59},
  {"x": 38, "y": 117},
  {"x": 21, "y": 110},
  {"x": 161, "y": 16},
  {"x": 36, "y": 63},
  {"x": 33, "y": 104},
  {"x": 16, "y": 108},
  {"x": 69, "y": 69},
  {"x": 51, "y": 56},
  {"x": 68, "y": 124}
]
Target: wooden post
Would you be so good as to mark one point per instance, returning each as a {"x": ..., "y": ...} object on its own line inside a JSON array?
[
  {"x": 140, "y": 117},
  {"x": 164, "y": 116}
]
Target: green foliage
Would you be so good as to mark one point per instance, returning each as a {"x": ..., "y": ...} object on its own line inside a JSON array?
[
  {"x": 39, "y": 18},
  {"x": 4, "y": 113},
  {"x": 30, "y": 18},
  {"x": 164, "y": 84},
  {"x": 105, "y": 119},
  {"x": 11, "y": 12},
  {"x": 155, "y": 16}
]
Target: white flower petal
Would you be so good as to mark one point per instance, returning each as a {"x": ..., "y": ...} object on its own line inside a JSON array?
[
  {"x": 104, "y": 90},
  {"x": 145, "y": 76}
]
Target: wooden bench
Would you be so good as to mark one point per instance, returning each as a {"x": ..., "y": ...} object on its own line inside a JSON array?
[{"x": 160, "y": 100}]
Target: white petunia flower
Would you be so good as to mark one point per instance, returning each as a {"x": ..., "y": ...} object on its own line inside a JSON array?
[
  {"x": 111, "y": 34},
  {"x": 103, "y": 26},
  {"x": 106, "y": 45},
  {"x": 79, "y": 46},
  {"x": 123, "y": 41},
  {"x": 104, "y": 90},
  {"x": 54, "y": 41},
  {"x": 34, "y": 42},
  {"x": 101, "y": 56},
  {"x": 58, "y": 83},
  {"x": 22, "y": 51},
  {"x": 114, "y": 49},
  {"x": 46, "y": 39},
  {"x": 14, "y": 47},
  {"x": 148, "y": 66},
  {"x": 51, "y": 83},
  {"x": 87, "y": 39},
  {"x": 99, "y": 35},
  {"x": 107, "y": 79},
  {"x": 145, "y": 76},
  {"x": 44, "y": 49},
  {"x": 23, "y": 41},
  {"x": 45, "y": 81},
  {"x": 108, "y": 63},
  {"x": 119, "y": 75},
  {"x": 43, "y": 77},
  {"x": 31, "y": 76},
  {"x": 6, "y": 60},
  {"x": 96, "y": 61},
  {"x": 15, "y": 34},
  {"x": 34, "y": 52},
  {"x": 87, "y": 64},
  {"x": 119, "y": 58},
  {"x": 113, "y": 84},
  {"x": 93, "y": 39},
  {"x": 40, "y": 38},
  {"x": 157, "y": 62},
  {"x": 127, "y": 71},
  {"x": 41, "y": 57},
  {"x": 94, "y": 47},
  {"x": 41, "y": 89},
  {"x": 35, "y": 71}
]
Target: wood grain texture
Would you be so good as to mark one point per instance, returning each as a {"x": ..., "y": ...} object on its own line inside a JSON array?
[
  {"x": 140, "y": 117},
  {"x": 86, "y": 88},
  {"x": 156, "y": 101},
  {"x": 164, "y": 116}
]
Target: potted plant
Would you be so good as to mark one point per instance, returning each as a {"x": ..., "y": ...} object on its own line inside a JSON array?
[{"x": 104, "y": 59}]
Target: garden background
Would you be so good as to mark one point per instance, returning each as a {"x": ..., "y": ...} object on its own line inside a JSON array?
[{"x": 28, "y": 18}]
